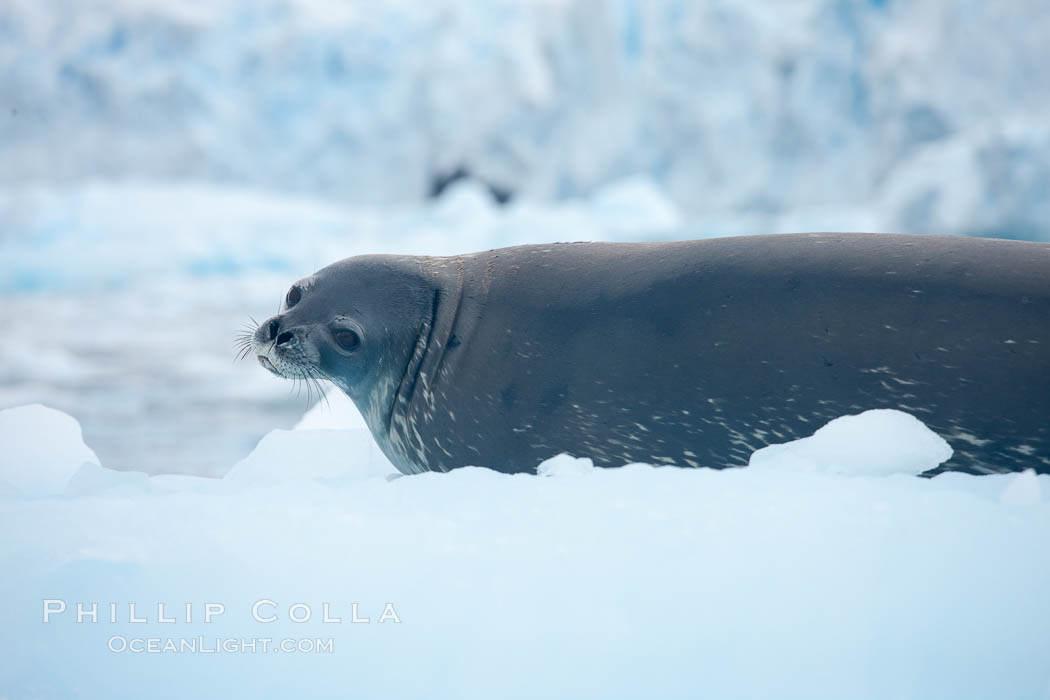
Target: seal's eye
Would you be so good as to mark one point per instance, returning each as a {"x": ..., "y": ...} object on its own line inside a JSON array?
[
  {"x": 347, "y": 340},
  {"x": 294, "y": 295}
]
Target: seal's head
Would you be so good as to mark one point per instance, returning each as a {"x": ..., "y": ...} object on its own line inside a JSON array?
[{"x": 354, "y": 323}]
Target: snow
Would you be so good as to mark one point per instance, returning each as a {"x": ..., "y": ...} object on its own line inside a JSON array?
[
  {"x": 42, "y": 449},
  {"x": 630, "y": 582},
  {"x": 879, "y": 441}
]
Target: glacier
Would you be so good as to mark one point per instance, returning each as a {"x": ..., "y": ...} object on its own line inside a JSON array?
[{"x": 755, "y": 117}]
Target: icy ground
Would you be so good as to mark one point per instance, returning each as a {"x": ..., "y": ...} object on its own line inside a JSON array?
[{"x": 797, "y": 577}]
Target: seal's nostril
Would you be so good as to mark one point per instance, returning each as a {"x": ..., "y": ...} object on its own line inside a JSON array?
[
  {"x": 284, "y": 338},
  {"x": 272, "y": 328}
]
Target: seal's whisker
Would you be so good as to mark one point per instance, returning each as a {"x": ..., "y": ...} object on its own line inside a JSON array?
[
  {"x": 305, "y": 382},
  {"x": 242, "y": 346},
  {"x": 311, "y": 384},
  {"x": 322, "y": 396},
  {"x": 241, "y": 339},
  {"x": 302, "y": 383},
  {"x": 321, "y": 389},
  {"x": 244, "y": 339}
]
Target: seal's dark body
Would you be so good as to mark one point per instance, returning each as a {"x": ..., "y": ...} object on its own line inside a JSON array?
[{"x": 700, "y": 352}]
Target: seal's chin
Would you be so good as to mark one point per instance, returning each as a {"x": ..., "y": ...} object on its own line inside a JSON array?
[
  {"x": 291, "y": 363},
  {"x": 265, "y": 362},
  {"x": 283, "y": 367}
]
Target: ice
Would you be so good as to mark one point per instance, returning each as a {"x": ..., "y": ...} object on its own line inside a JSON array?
[
  {"x": 94, "y": 479},
  {"x": 637, "y": 206},
  {"x": 144, "y": 233},
  {"x": 41, "y": 450},
  {"x": 630, "y": 582},
  {"x": 879, "y": 441}
]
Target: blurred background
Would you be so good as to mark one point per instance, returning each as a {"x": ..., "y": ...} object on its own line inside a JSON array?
[{"x": 167, "y": 169}]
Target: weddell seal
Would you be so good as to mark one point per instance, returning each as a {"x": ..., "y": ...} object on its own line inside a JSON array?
[{"x": 692, "y": 353}]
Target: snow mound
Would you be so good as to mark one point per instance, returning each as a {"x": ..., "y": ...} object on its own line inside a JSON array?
[
  {"x": 1023, "y": 489},
  {"x": 565, "y": 465},
  {"x": 880, "y": 441},
  {"x": 298, "y": 455},
  {"x": 42, "y": 449}
]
